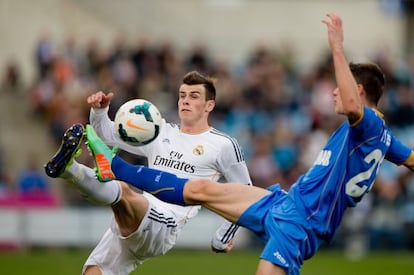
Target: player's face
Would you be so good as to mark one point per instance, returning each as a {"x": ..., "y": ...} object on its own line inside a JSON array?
[
  {"x": 339, "y": 109},
  {"x": 192, "y": 104}
]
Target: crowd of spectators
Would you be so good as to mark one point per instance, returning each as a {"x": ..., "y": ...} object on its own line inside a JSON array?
[{"x": 280, "y": 112}]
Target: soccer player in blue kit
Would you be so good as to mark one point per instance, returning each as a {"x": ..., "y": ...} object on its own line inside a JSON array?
[{"x": 294, "y": 224}]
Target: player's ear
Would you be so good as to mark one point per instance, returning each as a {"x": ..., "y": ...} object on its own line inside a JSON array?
[
  {"x": 361, "y": 90},
  {"x": 210, "y": 105}
]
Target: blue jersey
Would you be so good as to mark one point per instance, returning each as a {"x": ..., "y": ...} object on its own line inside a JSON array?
[
  {"x": 345, "y": 170},
  {"x": 293, "y": 224}
]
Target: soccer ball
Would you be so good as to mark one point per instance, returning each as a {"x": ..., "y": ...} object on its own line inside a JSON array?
[{"x": 138, "y": 122}]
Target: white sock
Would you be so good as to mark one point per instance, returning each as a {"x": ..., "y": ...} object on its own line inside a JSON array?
[{"x": 84, "y": 179}]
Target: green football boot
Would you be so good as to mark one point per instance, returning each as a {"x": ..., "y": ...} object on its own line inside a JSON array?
[{"x": 101, "y": 154}]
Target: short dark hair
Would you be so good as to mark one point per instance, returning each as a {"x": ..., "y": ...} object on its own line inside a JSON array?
[
  {"x": 371, "y": 77},
  {"x": 195, "y": 78}
]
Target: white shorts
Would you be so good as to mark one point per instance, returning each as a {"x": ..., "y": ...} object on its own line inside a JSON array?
[{"x": 157, "y": 233}]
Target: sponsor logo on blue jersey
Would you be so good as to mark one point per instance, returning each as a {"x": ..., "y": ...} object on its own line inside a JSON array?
[
  {"x": 279, "y": 257},
  {"x": 323, "y": 158}
]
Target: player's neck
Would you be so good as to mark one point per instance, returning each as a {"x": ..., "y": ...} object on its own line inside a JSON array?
[
  {"x": 195, "y": 129},
  {"x": 374, "y": 107}
]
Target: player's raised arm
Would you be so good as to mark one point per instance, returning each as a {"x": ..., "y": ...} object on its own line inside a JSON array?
[
  {"x": 98, "y": 116},
  {"x": 347, "y": 91}
]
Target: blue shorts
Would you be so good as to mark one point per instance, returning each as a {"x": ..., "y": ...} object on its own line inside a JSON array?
[{"x": 277, "y": 221}]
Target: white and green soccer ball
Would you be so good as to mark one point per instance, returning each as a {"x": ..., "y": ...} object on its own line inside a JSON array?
[{"x": 138, "y": 122}]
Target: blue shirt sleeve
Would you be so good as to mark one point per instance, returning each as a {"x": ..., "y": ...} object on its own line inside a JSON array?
[{"x": 398, "y": 152}]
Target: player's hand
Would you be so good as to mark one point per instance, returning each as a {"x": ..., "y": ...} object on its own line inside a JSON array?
[
  {"x": 335, "y": 31},
  {"x": 99, "y": 100},
  {"x": 228, "y": 248}
]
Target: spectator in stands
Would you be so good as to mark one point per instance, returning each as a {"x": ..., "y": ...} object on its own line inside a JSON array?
[{"x": 32, "y": 186}]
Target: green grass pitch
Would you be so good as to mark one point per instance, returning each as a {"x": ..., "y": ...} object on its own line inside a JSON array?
[{"x": 182, "y": 262}]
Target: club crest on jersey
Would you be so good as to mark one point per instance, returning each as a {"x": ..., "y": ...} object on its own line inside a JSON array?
[{"x": 199, "y": 150}]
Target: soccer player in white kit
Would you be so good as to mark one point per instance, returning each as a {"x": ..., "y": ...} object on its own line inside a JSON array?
[{"x": 143, "y": 226}]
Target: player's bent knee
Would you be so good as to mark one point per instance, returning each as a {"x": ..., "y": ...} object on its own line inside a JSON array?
[
  {"x": 130, "y": 210},
  {"x": 125, "y": 189},
  {"x": 92, "y": 270},
  {"x": 127, "y": 192}
]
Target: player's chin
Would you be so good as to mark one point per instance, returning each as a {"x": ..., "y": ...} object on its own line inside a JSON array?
[
  {"x": 184, "y": 113},
  {"x": 338, "y": 110}
]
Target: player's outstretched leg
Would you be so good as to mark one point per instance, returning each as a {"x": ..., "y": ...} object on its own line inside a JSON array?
[
  {"x": 68, "y": 150},
  {"x": 102, "y": 155},
  {"x": 165, "y": 186}
]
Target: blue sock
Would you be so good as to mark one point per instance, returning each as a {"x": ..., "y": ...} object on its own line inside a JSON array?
[{"x": 163, "y": 185}]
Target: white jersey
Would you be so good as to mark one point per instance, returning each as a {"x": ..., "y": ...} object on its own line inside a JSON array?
[{"x": 210, "y": 155}]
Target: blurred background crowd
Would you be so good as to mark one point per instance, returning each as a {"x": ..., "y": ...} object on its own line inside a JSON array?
[{"x": 281, "y": 114}]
